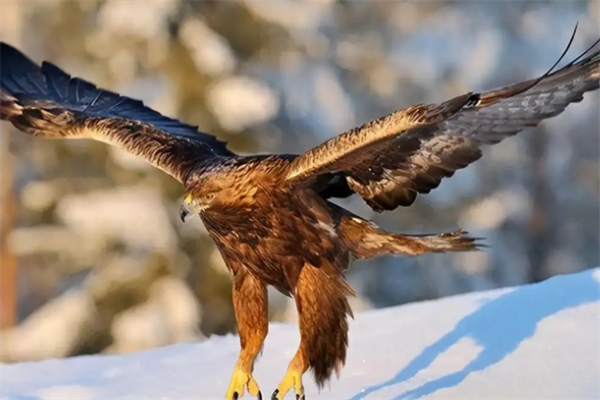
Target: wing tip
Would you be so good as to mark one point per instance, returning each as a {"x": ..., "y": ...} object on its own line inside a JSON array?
[{"x": 12, "y": 60}]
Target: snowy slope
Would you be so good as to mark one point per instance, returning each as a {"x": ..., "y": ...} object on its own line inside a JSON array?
[{"x": 536, "y": 341}]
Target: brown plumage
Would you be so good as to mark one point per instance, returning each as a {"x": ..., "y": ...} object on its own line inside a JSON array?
[{"x": 270, "y": 215}]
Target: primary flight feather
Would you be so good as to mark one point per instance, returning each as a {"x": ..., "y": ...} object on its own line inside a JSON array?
[
  {"x": 45, "y": 101},
  {"x": 418, "y": 152}
]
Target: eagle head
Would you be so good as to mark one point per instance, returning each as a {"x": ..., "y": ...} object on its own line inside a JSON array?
[{"x": 194, "y": 204}]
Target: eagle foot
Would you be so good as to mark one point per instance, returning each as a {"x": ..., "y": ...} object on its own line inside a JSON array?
[
  {"x": 276, "y": 392},
  {"x": 239, "y": 382},
  {"x": 292, "y": 379},
  {"x": 258, "y": 396}
]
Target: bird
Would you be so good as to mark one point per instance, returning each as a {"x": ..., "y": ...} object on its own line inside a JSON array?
[{"x": 272, "y": 216}]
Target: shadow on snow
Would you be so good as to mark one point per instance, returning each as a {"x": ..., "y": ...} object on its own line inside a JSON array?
[{"x": 498, "y": 326}]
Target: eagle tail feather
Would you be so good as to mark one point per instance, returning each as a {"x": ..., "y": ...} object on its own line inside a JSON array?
[
  {"x": 323, "y": 310},
  {"x": 457, "y": 241},
  {"x": 366, "y": 240}
]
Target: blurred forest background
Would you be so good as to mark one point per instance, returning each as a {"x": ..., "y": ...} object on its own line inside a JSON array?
[{"x": 94, "y": 258}]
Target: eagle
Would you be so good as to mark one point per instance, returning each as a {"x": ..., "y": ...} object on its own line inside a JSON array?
[{"x": 272, "y": 216}]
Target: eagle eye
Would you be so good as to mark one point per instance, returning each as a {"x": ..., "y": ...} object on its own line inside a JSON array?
[{"x": 207, "y": 198}]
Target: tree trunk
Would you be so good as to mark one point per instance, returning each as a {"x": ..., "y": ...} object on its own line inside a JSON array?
[
  {"x": 541, "y": 223},
  {"x": 10, "y": 27}
]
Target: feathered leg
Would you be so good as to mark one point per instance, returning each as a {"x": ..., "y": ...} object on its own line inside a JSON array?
[
  {"x": 322, "y": 311},
  {"x": 250, "y": 303}
]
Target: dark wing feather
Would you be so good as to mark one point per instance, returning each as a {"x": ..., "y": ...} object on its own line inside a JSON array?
[
  {"x": 392, "y": 173},
  {"x": 356, "y": 145},
  {"x": 47, "y": 102}
]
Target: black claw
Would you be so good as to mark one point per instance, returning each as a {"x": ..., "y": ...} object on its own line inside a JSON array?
[
  {"x": 274, "y": 395},
  {"x": 235, "y": 395},
  {"x": 298, "y": 397},
  {"x": 259, "y": 397}
]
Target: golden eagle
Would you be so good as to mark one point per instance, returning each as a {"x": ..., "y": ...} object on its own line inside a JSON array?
[{"x": 270, "y": 215}]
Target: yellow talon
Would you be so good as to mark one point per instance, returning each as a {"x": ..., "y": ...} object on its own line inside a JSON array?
[
  {"x": 239, "y": 382},
  {"x": 291, "y": 379}
]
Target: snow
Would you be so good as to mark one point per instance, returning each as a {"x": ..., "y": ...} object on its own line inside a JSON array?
[{"x": 533, "y": 341}]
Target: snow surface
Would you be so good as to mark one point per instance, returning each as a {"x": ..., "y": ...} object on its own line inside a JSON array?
[{"x": 535, "y": 341}]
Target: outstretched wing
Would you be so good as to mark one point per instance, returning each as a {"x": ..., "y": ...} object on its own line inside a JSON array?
[
  {"x": 47, "y": 102},
  {"x": 398, "y": 161}
]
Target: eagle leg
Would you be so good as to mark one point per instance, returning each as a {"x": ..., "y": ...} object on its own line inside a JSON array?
[
  {"x": 293, "y": 377},
  {"x": 321, "y": 300},
  {"x": 250, "y": 304}
]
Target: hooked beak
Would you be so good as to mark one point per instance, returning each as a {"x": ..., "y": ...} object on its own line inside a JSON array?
[{"x": 186, "y": 208}]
